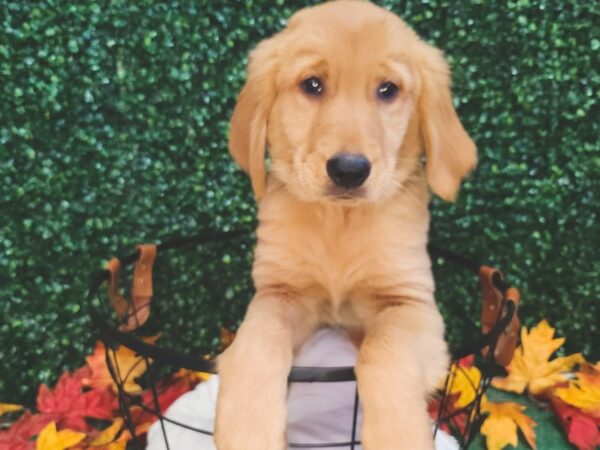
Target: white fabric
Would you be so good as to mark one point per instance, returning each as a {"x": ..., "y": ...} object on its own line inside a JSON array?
[{"x": 317, "y": 412}]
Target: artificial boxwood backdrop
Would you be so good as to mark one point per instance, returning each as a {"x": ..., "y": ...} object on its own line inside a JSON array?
[{"x": 113, "y": 125}]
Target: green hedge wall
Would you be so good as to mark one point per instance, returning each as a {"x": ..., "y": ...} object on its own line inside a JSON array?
[{"x": 113, "y": 123}]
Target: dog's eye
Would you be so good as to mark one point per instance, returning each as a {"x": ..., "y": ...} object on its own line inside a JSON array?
[
  {"x": 387, "y": 91},
  {"x": 312, "y": 86}
]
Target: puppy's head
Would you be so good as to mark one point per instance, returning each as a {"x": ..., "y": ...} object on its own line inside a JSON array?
[{"x": 345, "y": 98}]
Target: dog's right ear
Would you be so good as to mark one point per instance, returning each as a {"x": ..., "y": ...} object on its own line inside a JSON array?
[{"x": 248, "y": 132}]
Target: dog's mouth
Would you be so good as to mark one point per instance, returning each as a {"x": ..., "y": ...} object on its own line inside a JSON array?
[{"x": 345, "y": 194}]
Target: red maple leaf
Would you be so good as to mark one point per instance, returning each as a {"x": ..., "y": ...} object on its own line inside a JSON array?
[
  {"x": 450, "y": 417},
  {"x": 20, "y": 434},
  {"x": 581, "y": 429},
  {"x": 467, "y": 361},
  {"x": 71, "y": 403},
  {"x": 168, "y": 392},
  {"x": 82, "y": 374}
]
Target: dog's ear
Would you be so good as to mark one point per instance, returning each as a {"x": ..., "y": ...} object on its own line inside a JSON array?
[
  {"x": 449, "y": 151},
  {"x": 248, "y": 131}
]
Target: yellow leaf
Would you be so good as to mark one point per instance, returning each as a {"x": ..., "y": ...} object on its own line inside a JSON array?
[
  {"x": 118, "y": 445},
  {"x": 583, "y": 393},
  {"x": 194, "y": 377},
  {"x": 108, "y": 435},
  {"x": 500, "y": 426},
  {"x": 50, "y": 439},
  {"x": 464, "y": 381},
  {"x": 126, "y": 362},
  {"x": 9, "y": 407},
  {"x": 531, "y": 368}
]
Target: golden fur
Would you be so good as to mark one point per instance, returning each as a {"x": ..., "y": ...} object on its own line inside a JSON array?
[{"x": 359, "y": 261}]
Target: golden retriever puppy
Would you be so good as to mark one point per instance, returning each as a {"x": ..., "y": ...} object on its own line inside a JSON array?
[{"x": 346, "y": 99}]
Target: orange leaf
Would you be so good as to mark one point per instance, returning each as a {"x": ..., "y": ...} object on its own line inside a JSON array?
[
  {"x": 531, "y": 368},
  {"x": 227, "y": 337},
  {"x": 9, "y": 407},
  {"x": 127, "y": 363},
  {"x": 142, "y": 419},
  {"x": 50, "y": 439},
  {"x": 583, "y": 393},
  {"x": 500, "y": 427}
]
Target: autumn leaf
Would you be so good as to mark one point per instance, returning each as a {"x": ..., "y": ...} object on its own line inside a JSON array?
[
  {"x": 111, "y": 438},
  {"x": 227, "y": 336},
  {"x": 9, "y": 407},
  {"x": 167, "y": 393},
  {"x": 100, "y": 375},
  {"x": 581, "y": 429},
  {"x": 500, "y": 426},
  {"x": 20, "y": 445},
  {"x": 193, "y": 376},
  {"x": 82, "y": 373},
  {"x": 583, "y": 433},
  {"x": 531, "y": 368},
  {"x": 127, "y": 363},
  {"x": 464, "y": 382},
  {"x": 119, "y": 444},
  {"x": 71, "y": 404},
  {"x": 450, "y": 420},
  {"x": 467, "y": 361},
  {"x": 583, "y": 393},
  {"x": 109, "y": 434},
  {"x": 51, "y": 439},
  {"x": 142, "y": 419},
  {"x": 18, "y": 436}
]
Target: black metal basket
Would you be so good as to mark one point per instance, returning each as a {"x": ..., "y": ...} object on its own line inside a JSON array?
[{"x": 126, "y": 328}]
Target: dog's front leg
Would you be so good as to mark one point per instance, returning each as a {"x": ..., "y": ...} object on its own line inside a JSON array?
[
  {"x": 400, "y": 361},
  {"x": 253, "y": 370}
]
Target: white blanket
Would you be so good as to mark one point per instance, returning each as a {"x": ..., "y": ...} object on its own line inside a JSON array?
[{"x": 317, "y": 412}]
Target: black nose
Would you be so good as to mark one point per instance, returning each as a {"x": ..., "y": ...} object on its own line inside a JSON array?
[{"x": 348, "y": 170}]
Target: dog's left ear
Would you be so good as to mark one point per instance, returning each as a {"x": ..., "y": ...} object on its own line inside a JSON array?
[
  {"x": 248, "y": 131},
  {"x": 449, "y": 151}
]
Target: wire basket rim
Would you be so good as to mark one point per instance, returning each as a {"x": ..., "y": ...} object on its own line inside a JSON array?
[{"x": 308, "y": 374}]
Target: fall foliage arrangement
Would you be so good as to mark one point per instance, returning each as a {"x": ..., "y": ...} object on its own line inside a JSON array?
[
  {"x": 82, "y": 410},
  {"x": 569, "y": 386}
]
